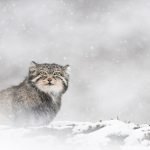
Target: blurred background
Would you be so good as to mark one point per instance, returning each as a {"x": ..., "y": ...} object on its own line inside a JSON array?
[{"x": 106, "y": 43}]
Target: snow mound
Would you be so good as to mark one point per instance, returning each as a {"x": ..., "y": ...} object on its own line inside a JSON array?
[{"x": 112, "y": 134}]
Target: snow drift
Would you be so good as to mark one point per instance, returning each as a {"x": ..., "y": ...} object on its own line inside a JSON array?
[{"x": 112, "y": 134}]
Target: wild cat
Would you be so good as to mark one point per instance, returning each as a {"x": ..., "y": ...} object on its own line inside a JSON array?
[{"x": 36, "y": 100}]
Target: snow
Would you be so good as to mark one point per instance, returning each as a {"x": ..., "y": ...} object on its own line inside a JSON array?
[{"x": 105, "y": 135}]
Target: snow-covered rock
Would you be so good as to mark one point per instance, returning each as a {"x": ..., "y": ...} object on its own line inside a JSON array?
[{"x": 102, "y": 135}]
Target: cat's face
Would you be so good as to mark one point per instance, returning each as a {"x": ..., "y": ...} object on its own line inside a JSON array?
[{"x": 49, "y": 78}]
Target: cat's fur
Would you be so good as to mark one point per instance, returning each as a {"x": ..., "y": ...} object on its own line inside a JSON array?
[{"x": 37, "y": 99}]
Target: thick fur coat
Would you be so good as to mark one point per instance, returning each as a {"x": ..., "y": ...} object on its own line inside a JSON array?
[{"x": 36, "y": 100}]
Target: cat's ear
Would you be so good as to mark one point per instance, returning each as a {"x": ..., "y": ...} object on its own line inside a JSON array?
[
  {"x": 67, "y": 69},
  {"x": 33, "y": 66}
]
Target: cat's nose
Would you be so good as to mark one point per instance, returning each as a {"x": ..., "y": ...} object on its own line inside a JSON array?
[{"x": 49, "y": 79}]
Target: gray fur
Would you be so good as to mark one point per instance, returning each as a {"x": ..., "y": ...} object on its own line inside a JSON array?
[{"x": 26, "y": 104}]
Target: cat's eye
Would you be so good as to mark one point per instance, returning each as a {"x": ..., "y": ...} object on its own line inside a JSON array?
[
  {"x": 43, "y": 73},
  {"x": 57, "y": 74}
]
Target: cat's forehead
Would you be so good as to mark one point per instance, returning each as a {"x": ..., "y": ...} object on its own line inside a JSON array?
[{"x": 50, "y": 67}]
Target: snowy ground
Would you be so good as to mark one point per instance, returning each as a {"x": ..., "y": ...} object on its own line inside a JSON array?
[{"x": 102, "y": 135}]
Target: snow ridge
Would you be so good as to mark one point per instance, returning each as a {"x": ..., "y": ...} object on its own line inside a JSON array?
[{"x": 111, "y": 134}]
